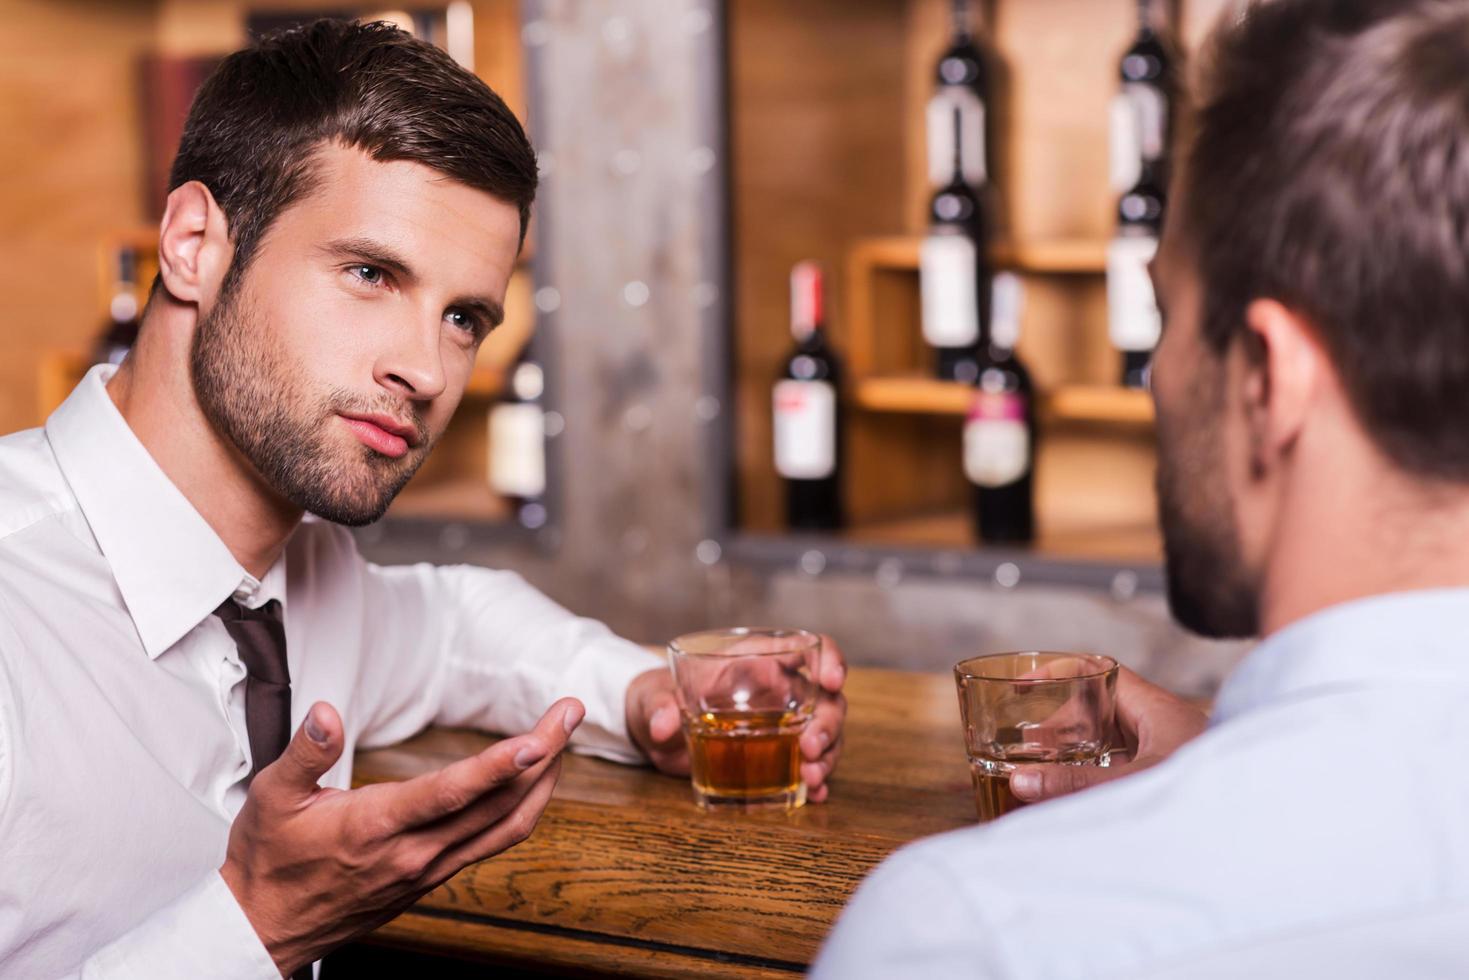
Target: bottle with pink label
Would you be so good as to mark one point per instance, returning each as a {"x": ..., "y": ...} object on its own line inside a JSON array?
[{"x": 999, "y": 431}]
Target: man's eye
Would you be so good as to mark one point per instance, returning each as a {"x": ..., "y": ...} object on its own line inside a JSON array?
[
  {"x": 464, "y": 321},
  {"x": 369, "y": 274}
]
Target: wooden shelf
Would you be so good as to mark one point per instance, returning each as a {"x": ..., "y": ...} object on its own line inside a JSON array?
[
  {"x": 914, "y": 395},
  {"x": 1100, "y": 404},
  {"x": 1063, "y": 256},
  {"x": 1056, "y": 540}
]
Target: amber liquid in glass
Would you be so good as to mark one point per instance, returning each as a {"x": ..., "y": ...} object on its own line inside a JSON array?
[
  {"x": 741, "y": 755},
  {"x": 992, "y": 794}
]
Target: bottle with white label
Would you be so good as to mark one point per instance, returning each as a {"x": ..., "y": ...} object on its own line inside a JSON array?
[
  {"x": 1141, "y": 121},
  {"x": 518, "y": 444},
  {"x": 1142, "y": 117},
  {"x": 999, "y": 432},
  {"x": 807, "y": 421},
  {"x": 961, "y": 86},
  {"x": 953, "y": 272},
  {"x": 1133, "y": 321}
]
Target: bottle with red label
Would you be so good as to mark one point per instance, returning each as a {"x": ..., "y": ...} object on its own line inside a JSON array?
[
  {"x": 807, "y": 420},
  {"x": 999, "y": 432}
]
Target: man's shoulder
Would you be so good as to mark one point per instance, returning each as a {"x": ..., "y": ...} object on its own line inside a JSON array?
[
  {"x": 1263, "y": 825},
  {"x": 32, "y": 487}
]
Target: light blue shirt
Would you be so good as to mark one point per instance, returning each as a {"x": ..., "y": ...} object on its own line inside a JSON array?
[{"x": 1319, "y": 827}]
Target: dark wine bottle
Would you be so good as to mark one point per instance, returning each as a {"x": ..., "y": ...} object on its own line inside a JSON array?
[
  {"x": 953, "y": 273},
  {"x": 999, "y": 432},
  {"x": 1142, "y": 112},
  {"x": 518, "y": 443},
  {"x": 1141, "y": 131},
  {"x": 120, "y": 332},
  {"x": 806, "y": 412},
  {"x": 961, "y": 84},
  {"x": 1133, "y": 321}
]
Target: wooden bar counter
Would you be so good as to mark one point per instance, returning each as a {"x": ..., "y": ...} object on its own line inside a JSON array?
[{"x": 625, "y": 876}]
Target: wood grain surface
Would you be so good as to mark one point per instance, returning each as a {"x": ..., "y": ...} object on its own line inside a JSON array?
[{"x": 625, "y": 875}]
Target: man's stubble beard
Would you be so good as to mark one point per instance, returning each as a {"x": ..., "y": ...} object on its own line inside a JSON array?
[
  {"x": 1210, "y": 591},
  {"x": 255, "y": 400}
]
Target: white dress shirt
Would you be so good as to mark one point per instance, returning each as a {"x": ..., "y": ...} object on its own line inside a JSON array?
[
  {"x": 1318, "y": 828},
  {"x": 123, "y": 746}
]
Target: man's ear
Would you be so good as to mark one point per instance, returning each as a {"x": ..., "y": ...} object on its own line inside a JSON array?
[
  {"x": 1282, "y": 367},
  {"x": 194, "y": 247}
]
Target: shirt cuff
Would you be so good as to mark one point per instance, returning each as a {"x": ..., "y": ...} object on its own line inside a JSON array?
[
  {"x": 203, "y": 933},
  {"x": 603, "y": 671}
]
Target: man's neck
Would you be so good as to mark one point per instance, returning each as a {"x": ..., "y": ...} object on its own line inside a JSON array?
[
  {"x": 1357, "y": 528},
  {"x": 153, "y": 392}
]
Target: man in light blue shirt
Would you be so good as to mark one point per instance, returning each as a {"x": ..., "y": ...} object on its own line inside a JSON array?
[{"x": 1312, "y": 388}]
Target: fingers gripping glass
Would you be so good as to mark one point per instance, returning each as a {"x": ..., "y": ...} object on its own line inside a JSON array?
[
  {"x": 1033, "y": 707},
  {"x": 745, "y": 696}
]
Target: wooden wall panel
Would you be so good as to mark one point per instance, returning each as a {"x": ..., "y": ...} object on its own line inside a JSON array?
[
  {"x": 817, "y": 161},
  {"x": 71, "y": 161}
]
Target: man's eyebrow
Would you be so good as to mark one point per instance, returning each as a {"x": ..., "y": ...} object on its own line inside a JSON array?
[{"x": 376, "y": 253}]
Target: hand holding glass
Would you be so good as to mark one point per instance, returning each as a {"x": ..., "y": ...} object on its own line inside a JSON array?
[
  {"x": 745, "y": 696},
  {"x": 1021, "y": 708}
]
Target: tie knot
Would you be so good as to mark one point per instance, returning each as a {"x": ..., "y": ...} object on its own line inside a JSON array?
[
  {"x": 260, "y": 637},
  {"x": 232, "y": 612}
]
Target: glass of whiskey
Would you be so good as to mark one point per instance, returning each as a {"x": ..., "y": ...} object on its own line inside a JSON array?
[
  {"x": 746, "y": 695},
  {"x": 1033, "y": 707}
]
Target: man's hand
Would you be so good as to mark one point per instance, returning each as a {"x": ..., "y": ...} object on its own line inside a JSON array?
[
  {"x": 654, "y": 724},
  {"x": 313, "y": 868},
  {"x": 1152, "y": 721}
]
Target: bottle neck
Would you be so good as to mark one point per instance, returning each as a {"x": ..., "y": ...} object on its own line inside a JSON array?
[
  {"x": 961, "y": 27},
  {"x": 807, "y": 303},
  {"x": 1151, "y": 17}
]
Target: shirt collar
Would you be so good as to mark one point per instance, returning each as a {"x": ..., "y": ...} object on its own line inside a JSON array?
[
  {"x": 1416, "y": 637},
  {"x": 170, "y": 566}
]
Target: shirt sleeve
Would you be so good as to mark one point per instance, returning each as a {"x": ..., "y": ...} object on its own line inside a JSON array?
[
  {"x": 908, "y": 920},
  {"x": 490, "y": 651},
  {"x": 203, "y": 933}
]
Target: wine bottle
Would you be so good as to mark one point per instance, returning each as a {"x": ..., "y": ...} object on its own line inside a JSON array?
[
  {"x": 120, "y": 332},
  {"x": 999, "y": 432},
  {"x": 1133, "y": 321},
  {"x": 807, "y": 421},
  {"x": 1142, "y": 112},
  {"x": 961, "y": 84},
  {"x": 518, "y": 443},
  {"x": 953, "y": 272},
  {"x": 1141, "y": 127}
]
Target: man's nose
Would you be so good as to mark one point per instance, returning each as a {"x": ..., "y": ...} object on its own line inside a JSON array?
[{"x": 413, "y": 365}]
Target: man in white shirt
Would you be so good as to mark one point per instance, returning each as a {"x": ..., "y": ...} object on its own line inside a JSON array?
[
  {"x": 1312, "y": 388},
  {"x": 346, "y": 208}
]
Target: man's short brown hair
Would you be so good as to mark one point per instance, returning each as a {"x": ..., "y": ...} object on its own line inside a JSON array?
[
  {"x": 256, "y": 122},
  {"x": 1330, "y": 171}
]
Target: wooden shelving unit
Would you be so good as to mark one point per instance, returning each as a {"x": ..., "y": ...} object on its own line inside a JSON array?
[
  {"x": 1082, "y": 404},
  {"x": 841, "y": 89},
  {"x": 1064, "y": 256}
]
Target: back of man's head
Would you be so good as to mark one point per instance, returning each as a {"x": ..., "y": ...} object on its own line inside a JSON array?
[
  {"x": 1330, "y": 171},
  {"x": 256, "y": 121}
]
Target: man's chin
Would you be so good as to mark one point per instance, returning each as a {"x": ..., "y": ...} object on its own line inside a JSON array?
[
  {"x": 1216, "y": 605},
  {"x": 349, "y": 507}
]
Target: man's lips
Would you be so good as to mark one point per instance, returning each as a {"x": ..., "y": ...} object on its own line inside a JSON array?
[{"x": 382, "y": 433}]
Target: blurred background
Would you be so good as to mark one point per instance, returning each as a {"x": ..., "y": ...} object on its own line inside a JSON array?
[{"x": 830, "y": 316}]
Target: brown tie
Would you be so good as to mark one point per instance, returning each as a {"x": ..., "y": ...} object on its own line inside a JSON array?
[{"x": 260, "y": 636}]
